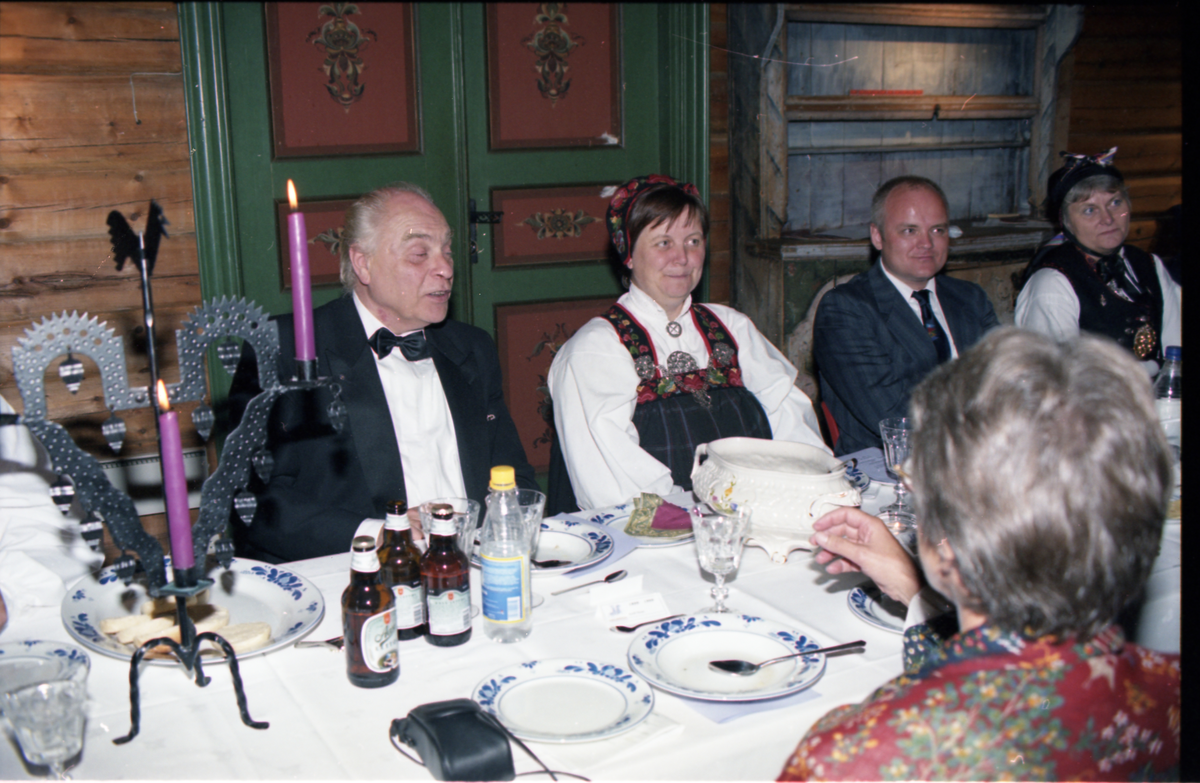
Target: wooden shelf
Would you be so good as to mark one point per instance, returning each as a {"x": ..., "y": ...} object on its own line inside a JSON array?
[
  {"x": 909, "y": 107},
  {"x": 920, "y": 14}
]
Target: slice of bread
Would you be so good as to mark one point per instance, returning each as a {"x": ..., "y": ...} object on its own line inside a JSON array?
[
  {"x": 118, "y": 624},
  {"x": 164, "y": 605},
  {"x": 151, "y": 629},
  {"x": 245, "y": 637}
]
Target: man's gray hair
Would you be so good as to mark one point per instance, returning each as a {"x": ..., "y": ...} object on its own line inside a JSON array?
[
  {"x": 1043, "y": 466},
  {"x": 1086, "y": 187},
  {"x": 364, "y": 219},
  {"x": 905, "y": 181}
]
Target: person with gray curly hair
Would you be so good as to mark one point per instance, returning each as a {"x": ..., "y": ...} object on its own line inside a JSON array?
[
  {"x": 1041, "y": 478},
  {"x": 426, "y": 416}
]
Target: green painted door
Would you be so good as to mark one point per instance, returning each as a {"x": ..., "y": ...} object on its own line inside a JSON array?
[{"x": 663, "y": 66}]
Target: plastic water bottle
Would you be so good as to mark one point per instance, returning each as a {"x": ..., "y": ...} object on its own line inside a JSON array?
[
  {"x": 504, "y": 556},
  {"x": 1168, "y": 393}
]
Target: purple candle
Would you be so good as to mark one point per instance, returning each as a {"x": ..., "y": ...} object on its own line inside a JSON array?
[
  {"x": 179, "y": 518},
  {"x": 306, "y": 349}
]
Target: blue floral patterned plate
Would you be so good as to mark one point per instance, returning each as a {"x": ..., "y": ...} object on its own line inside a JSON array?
[
  {"x": 579, "y": 544},
  {"x": 250, "y": 590},
  {"x": 674, "y": 656},
  {"x": 880, "y": 611},
  {"x": 565, "y": 699},
  {"x": 31, "y": 662}
]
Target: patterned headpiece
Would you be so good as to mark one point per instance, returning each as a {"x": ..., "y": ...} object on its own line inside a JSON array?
[
  {"x": 1076, "y": 169},
  {"x": 617, "y": 216}
]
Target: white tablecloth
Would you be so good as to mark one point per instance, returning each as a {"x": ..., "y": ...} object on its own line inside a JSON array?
[{"x": 324, "y": 727}]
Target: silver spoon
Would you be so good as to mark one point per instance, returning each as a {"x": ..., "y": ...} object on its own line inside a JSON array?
[
  {"x": 745, "y": 668},
  {"x": 632, "y": 628},
  {"x": 615, "y": 576}
]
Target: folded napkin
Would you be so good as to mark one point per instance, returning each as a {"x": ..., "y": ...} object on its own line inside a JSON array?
[
  {"x": 725, "y": 711},
  {"x": 653, "y": 517}
]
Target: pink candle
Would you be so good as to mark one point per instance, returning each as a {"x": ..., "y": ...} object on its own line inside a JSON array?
[
  {"x": 179, "y": 519},
  {"x": 306, "y": 349}
]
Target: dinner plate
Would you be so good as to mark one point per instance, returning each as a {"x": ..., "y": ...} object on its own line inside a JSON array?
[
  {"x": 578, "y": 543},
  {"x": 618, "y": 516},
  {"x": 674, "y": 656},
  {"x": 875, "y": 612},
  {"x": 28, "y": 663},
  {"x": 252, "y": 592},
  {"x": 565, "y": 699}
]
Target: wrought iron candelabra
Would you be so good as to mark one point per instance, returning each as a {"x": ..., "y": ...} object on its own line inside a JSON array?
[{"x": 223, "y": 323}]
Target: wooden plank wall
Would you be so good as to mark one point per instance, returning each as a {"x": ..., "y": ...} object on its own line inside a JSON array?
[
  {"x": 719, "y": 255},
  {"x": 93, "y": 119},
  {"x": 1125, "y": 89},
  {"x": 833, "y": 190}
]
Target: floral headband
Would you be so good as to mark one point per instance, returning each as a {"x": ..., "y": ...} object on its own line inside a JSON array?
[
  {"x": 1076, "y": 169},
  {"x": 617, "y": 215}
]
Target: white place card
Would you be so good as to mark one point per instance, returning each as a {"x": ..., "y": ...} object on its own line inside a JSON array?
[{"x": 643, "y": 607}]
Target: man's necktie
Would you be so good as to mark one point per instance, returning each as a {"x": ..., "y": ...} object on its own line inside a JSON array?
[
  {"x": 413, "y": 345},
  {"x": 936, "y": 333}
]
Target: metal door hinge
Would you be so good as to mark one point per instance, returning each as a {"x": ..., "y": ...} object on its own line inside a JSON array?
[{"x": 475, "y": 219}]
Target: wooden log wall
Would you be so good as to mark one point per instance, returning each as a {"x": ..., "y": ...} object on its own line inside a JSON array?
[
  {"x": 93, "y": 119},
  {"x": 1125, "y": 89}
]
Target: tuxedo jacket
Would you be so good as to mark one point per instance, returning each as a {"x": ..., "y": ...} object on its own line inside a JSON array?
[
  {"x": 871, "y": 349},
  {"x": 324, "y": 483}
]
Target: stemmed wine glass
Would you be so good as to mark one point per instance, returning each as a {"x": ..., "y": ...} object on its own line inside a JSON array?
[
  {"x": 897, "y": 434},
  {"x": 720, "y": 535},
  {"x": 48, "y": 719}
]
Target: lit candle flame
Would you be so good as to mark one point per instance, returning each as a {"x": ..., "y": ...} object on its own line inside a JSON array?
[
  {"x": 292, "y": 201},
  {"x": 163, "y": 404}
]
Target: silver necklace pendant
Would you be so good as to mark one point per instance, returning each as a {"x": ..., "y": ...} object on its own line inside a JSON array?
[
  {"x": 681, "y": 362},
  {"x": 674, "y": 328}
]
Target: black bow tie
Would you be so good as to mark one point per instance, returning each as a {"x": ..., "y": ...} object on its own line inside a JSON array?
[{"x": 413, "y": 345}]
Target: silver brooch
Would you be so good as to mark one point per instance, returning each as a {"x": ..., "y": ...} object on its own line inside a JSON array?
[
  {"x": 644, "y": 366},
  {"x": 722, "y": 354},
  {"x": 674, "y": 329},
  {"x": 681, "y": 362}
]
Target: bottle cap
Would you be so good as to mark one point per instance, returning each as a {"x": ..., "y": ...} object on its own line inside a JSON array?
[
  {"x": 362, "y": 544},
  {"x": 397, "y": 507},
  {"x": 503, "y": 477},
  {"x": 1174, "y": 354}
]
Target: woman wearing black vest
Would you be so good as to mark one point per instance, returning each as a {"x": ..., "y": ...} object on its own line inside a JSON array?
[
  {"x": 637, "y": 389},
  {"x": 1087, "y": 278}
]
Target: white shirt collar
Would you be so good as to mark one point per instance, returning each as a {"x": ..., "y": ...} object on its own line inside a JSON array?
[
  {"x": 644, "y": 302},
  {"x": 904, "y": 288}
]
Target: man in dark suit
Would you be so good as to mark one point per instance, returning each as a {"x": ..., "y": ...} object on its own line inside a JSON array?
[
  {"x": 878, "y": 335},
  {"x": 425, "y": 420}
]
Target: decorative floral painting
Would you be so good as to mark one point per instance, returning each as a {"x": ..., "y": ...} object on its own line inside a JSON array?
[
  {"x": 554, "y": 74},
  {"x": 528, "y": 336},
  {"x": 343, "y": 78},
  {"x": 323, "y": 220},
  {"x": 550, "y": 225}
]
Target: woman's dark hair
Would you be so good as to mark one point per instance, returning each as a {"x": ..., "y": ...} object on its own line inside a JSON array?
[
  {"x": 662, "y": 202},
  {"x": 1043, "y": 466}
]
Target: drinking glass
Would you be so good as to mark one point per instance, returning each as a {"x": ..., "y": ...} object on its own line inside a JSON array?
[
  {"x": 897, "y": 445},
  {"x": 466, "y": 520},
  {"x": 47, "y": 719},
  {"x": 720, "y": 536},
  {"x": 903, "y": 526}
]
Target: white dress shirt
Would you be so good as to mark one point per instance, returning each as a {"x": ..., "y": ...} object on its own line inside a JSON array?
[
  {"x": 41, "y": 551},
  {"x": 594, "y": 387},
  {"x": 1048, "y": 305},
  {"x": 422, "y": 422},
  {"x": 907, "y": 292}
]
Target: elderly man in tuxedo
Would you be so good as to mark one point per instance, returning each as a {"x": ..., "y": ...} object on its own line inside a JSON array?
[
  {"x": 426, "y": 412},
  {"x": 878, "y": 335}
]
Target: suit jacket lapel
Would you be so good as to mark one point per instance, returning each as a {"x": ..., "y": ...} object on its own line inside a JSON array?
[
  {"x": 954, "y": 308},
  {"x": 449, "y": 358},
  {"x": 899, "y": 318},
  {"x": 352, "y": 364}
]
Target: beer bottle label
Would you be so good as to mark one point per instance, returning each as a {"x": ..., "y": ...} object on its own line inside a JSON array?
[
  {"x": 504, "y": 588},
  {"x": 449, "y": 612},
  {"x": 380, "y": 648},
  {"x": 410, "y": 605}
]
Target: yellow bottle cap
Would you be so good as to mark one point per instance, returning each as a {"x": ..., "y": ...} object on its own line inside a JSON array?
[{"x": 503, "y": 477}]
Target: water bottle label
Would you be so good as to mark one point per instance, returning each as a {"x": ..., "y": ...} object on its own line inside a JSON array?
[
  {"x": 1169, "y": 412},
  {"x": 410, "y": 605},
  {"x": 505, "y": 587},
  {"x": 449, "y": 612},
  {"x": 380, "y": 648}
]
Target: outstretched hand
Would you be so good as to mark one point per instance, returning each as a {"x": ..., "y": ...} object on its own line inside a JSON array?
[{"x": 853, "y": 540}]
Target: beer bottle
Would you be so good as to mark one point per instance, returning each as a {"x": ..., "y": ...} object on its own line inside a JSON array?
[
  {"x": 400, "y": 563},
  {"x": 369, "y": 621},
  {"x": 446, "y": 575}
]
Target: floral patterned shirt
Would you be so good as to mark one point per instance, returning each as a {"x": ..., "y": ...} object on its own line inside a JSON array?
[{"x": 993, "y": 705}]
